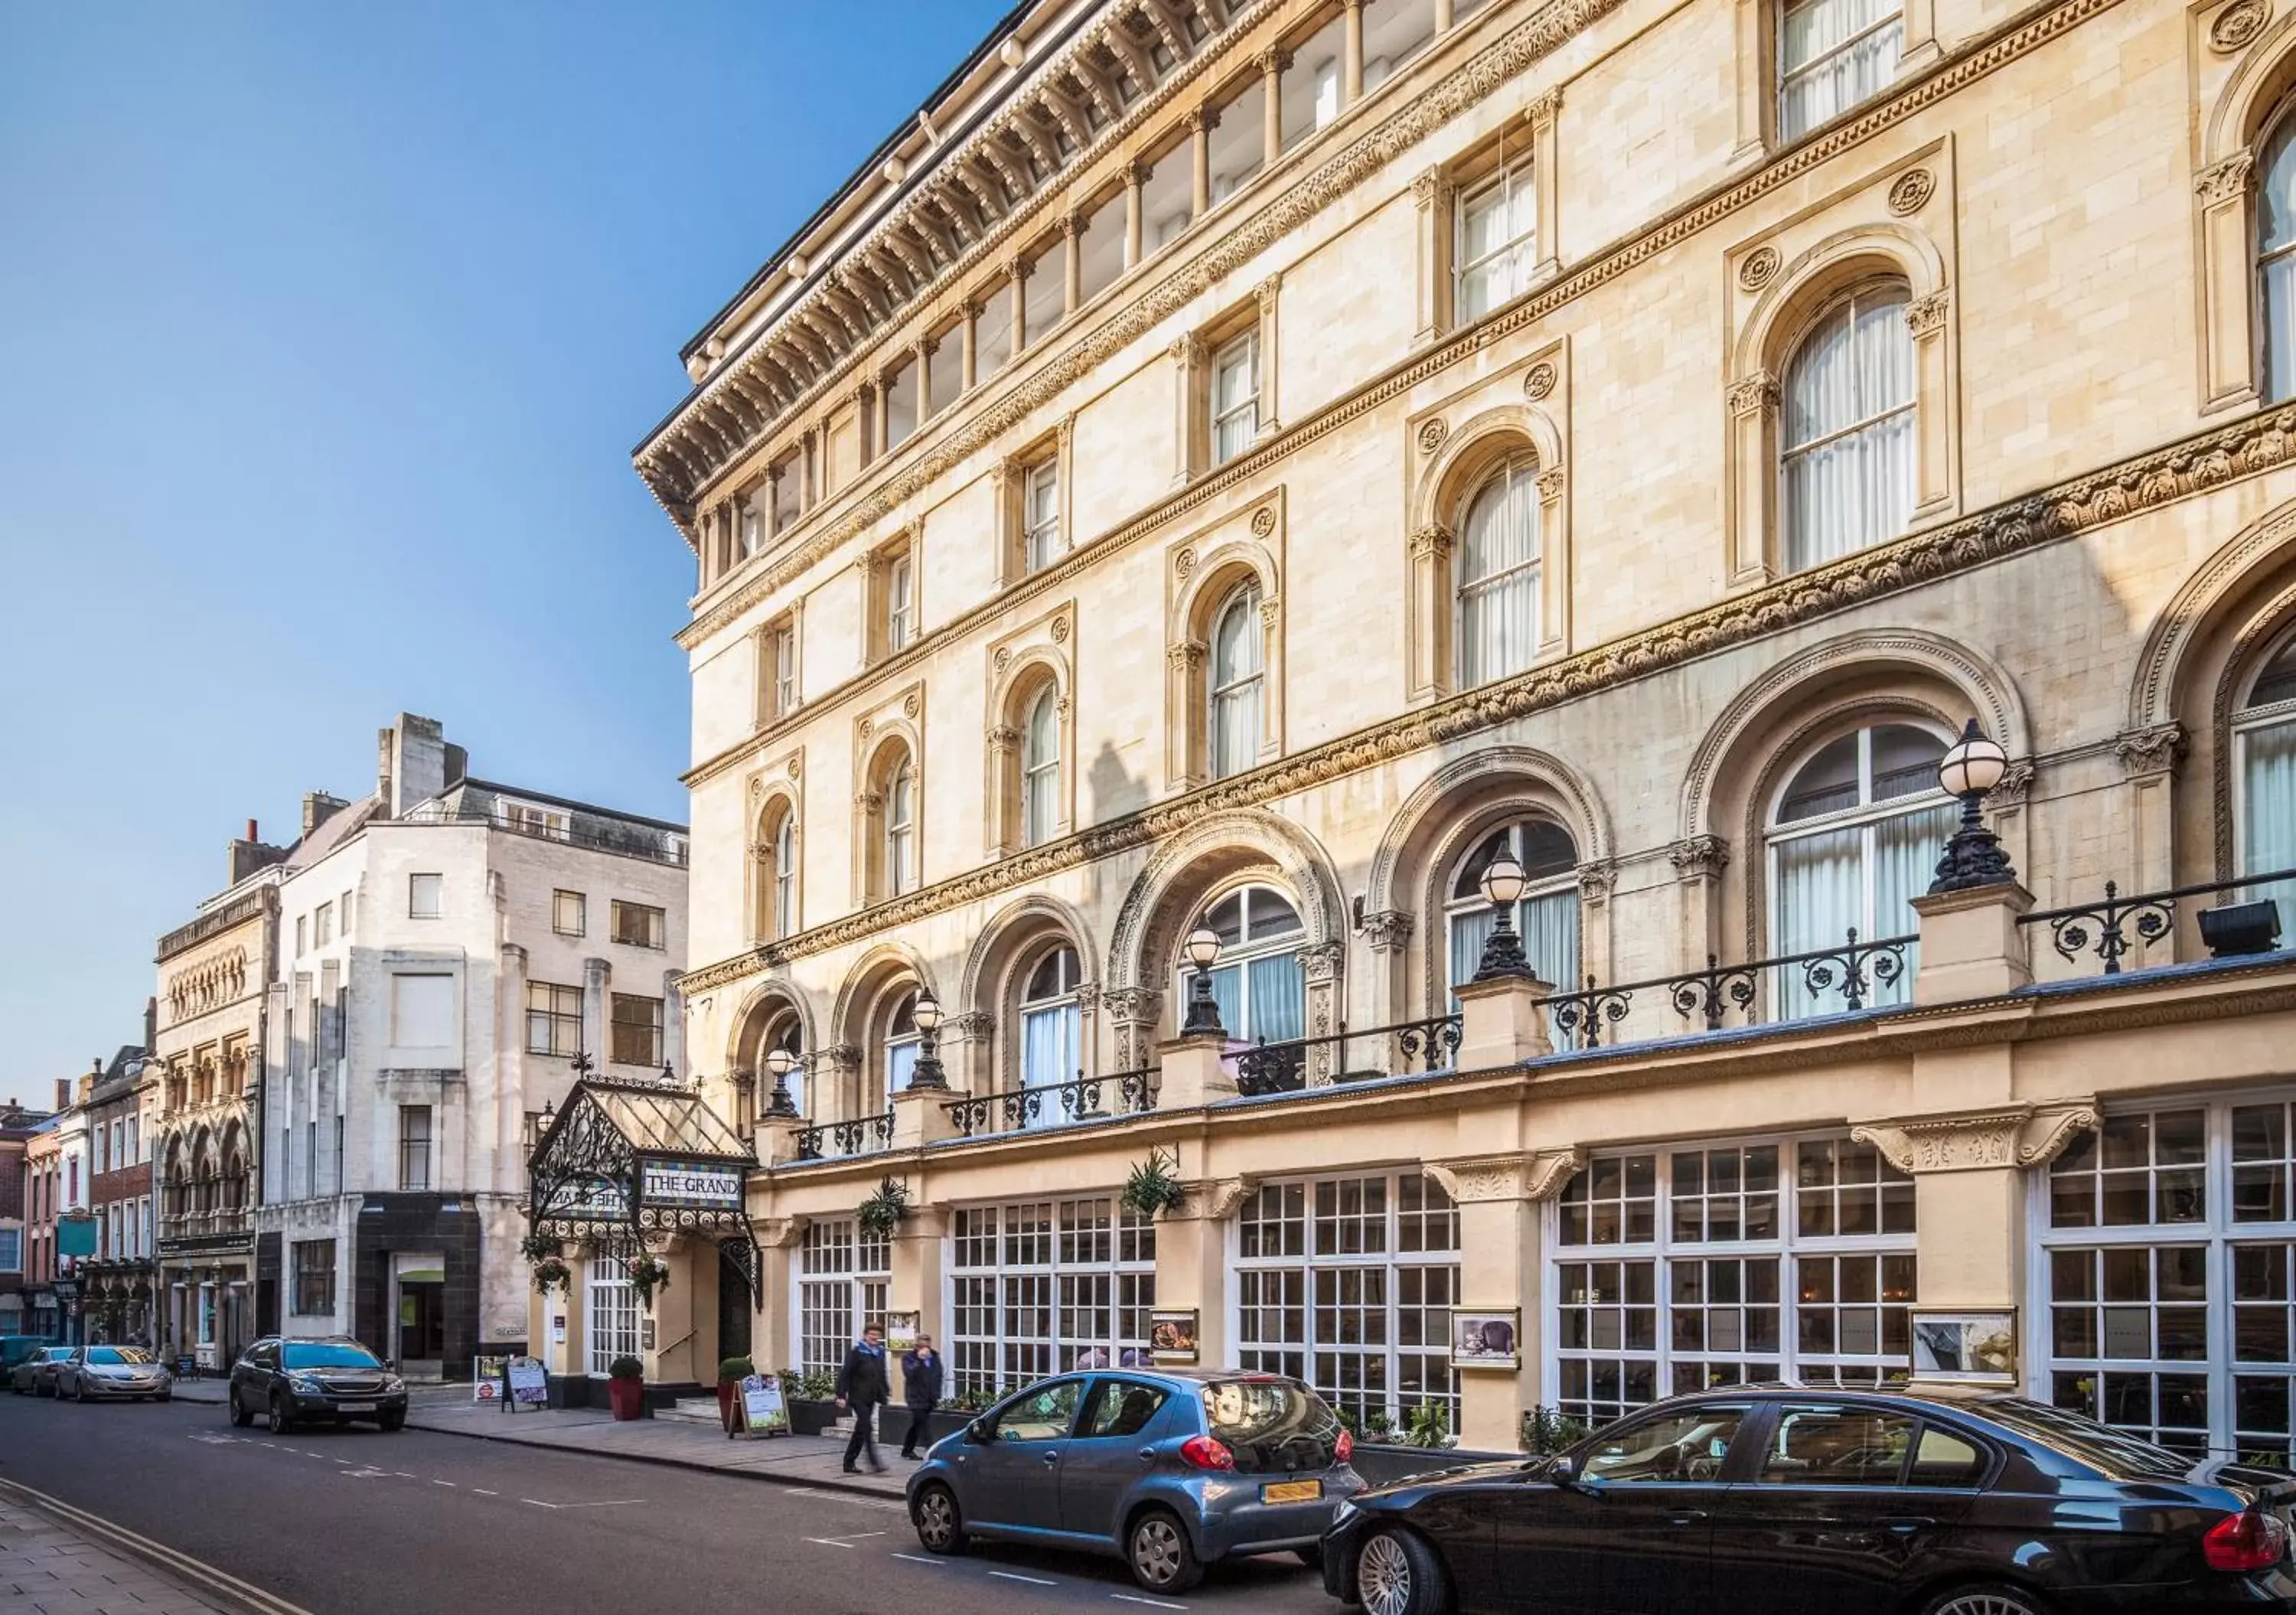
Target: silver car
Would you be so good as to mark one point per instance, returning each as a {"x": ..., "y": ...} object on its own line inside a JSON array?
[
  {"x": 1167, "y": 1470},
  {"x": 92, "y": 1371}
]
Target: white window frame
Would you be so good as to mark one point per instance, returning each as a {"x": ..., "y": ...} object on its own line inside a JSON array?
[
  {"x": 1514, "y": 255},
  {"x": 2215, "y": 1232},
  {"x": 558, "y": 906},
  {"x": 1845, "y": 307},
  {"x": 1083, "y": 1263},
  {"x": 2249, "y": 722},
  {"x": 1321, "y": 1256},
  {"x": 1663, "y": 1250},
  {"x": 1041, "y": 540},
  {"x": 609, "y": 1314},
  {"x": 1791, "y": 73},
  {"x": 1237, "y": 406},
  {"x": 1040, "y": 823},
  {"x": 1236, "y": 957},
  {"x": 841, "y": 1281},
  {"x": 784, "y": 649},
  {"x": 416, "y": 908},
  {"x": 1229, "y": 703},
  {"x": 1063, "y": 1002},
  {"x": 900, "y": 601},
  {"x": 900, "y": 826},
  {"x": 1518, "y": 479},
  {"x": 785, "y": 874}
]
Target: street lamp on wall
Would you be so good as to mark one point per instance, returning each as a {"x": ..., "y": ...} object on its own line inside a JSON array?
[
  {"x": 781, "y": 1063},
  {"x": 1972, "y": 766},
  {"x": 1203, "y": 950},
  {"x": 927, "y": 1072},
  {"x": 1502, "y": 882}
]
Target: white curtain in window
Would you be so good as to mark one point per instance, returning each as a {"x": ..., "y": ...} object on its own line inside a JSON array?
[
  {"x": 2275, "y": 219},
  {"x": 2267, "y": 813},
  {"x": 1834, "y": 54},
  {"x": 1227, "y": 993},
  {"x": 1820, "y": 893},
  {"x": 1906, "y": 852},
  {"x": 1236, "y": 398},
  {"x": 1040, "y": 769},
  {"x": 900, "y": 1064},
  {"x": 1497, "y": 225},
  {"x": 1549, "y": 927},
  {"x": 1498, "y": 577},
  {"x": 1236, "y": 684},
  {"x": 900, "y": 807},
  {"x": 1051, "y": 1046},
  {"x": 1848, "y": 463},
  {"x": 1279, "y": 998},
  {"x": 785, "y": 876}
]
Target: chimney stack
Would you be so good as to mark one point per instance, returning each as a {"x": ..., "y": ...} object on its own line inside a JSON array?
[
  {"x": 64, "y": 1093},
  {"x": 250, "y": 831},
  {"x": 318, "y": 808}
]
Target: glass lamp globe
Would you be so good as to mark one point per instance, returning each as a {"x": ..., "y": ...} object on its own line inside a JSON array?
[
  {"x": 1503, "y": 881},
  {"x": 781, "y": 1063},
  {"x": 1972, "y": 764},
  {"x": 1203, "y": 947},
  {"x": 928, "y": 1012}
]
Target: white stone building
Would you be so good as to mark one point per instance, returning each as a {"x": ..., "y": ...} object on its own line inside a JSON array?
[{"x": 447, "y": 946}]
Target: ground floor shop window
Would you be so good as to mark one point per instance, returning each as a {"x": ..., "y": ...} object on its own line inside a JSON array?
[
  {"x": 2167, "y": 1277},
  {"x": 611, "y": 1324},
  {"x": 844, "y": 1280},
  {"x": 1677, "y": 1269},
  {"x": 1041, "y": 1287},
  {"x": 1348, "y": 1284}
]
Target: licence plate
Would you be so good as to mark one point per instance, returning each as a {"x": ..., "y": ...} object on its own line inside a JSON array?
[
  {"x": 1291, "y": 1491},
  {"x": 353, "y": 1408}
]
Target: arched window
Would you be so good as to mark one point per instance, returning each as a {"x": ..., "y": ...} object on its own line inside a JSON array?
[
  {"x": 2275, "y": 259},
  {"x": 1546, "y": 914},
  {"x": 1832, "y": 55},
  {"x": 1258, "y": 984},
  {"x": 1238, "y": 668},
  {"x": 2264, "y": 759},
  {"x": 900, "y": 848},
  {"x": 1498, "y": 572},
  {"x": 1855, "y": 836},
  {"x": 1848, "y": 464},
  {"x": 1052, "y": 1023},
  {"x": 782, "y": 1031},
  {"x": 784, "y": 875},
  {"x": 1040, "y": 767},
  {"x": 901, "y": 1043}
]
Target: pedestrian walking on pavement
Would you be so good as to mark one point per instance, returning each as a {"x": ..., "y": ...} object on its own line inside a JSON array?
[
  {"x": 921, "y": 1381},
  {"x": 864, "y": 1386}
]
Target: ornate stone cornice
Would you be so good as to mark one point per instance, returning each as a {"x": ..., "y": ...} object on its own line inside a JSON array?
[
  {"x": 1754, "y": 394},
  {"x": 2145, "y": 482},
  {"x": 1928, "y": 313},
  {"x": 2223, "y": 181},
  {"x": 1512, "y": 1176},
  {"x": 2013, "y": 1136},
  {"x": 1215, "y": 1199},
  {"x": 2144, "y": 753}
]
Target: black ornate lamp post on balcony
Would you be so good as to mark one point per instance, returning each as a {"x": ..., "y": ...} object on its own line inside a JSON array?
[
  {"x": 928, "y": 1073},
  {"x": 781, "y": 1063},
  {"x": 1970, "y": 769},
  {"x": 1203, "y": 950},
  {"x": 1503, "y": 882}
]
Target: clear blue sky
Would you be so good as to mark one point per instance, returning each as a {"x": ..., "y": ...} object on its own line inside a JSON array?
[{"x": 325, "y": 332}]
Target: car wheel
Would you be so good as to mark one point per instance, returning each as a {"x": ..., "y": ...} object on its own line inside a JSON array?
[
  {"x": 941, "y": 1523},
  {"x": 279, "y": 1420},
  {"x": 1158, "y": 1550},
  {"x": 1398, "y": 1574},
  {"x": 239, "y": 1417},
  {"x": 79, "y": 1389},
  {"x": 1983, "y": 1600}
]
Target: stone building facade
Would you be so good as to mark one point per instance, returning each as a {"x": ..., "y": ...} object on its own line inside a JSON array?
[
  {"x": 121, "y": 1292},
  {"x": 1245, "y": 464}
]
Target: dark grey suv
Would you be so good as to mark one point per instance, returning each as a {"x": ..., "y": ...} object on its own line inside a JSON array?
[
  {"x": 337, "y": 1380},
  {"x": 1167, "y": 1470}
]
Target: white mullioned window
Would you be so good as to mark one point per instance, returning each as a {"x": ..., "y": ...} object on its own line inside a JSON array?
[
  {"x": 1545, "y": 916},
  {"x": 1854, "y": 838},
  {"x": 1239, "y": 669},
  {"x": 900, "y": 827},
  {"x": 1052, "y": 1026},
  {"x": 900, "y": 601},
  {"x": 1499, "y": 575},
  {"x": 1676, "y": 1268},
  {"x": 1258, "y": 983},
  {"x": 1040, "y": 768},
  {"x": 1833, "y": 54},
  {"x": 2167, "y": 1275},
  {"x": 1043, "y": 1287},
  {"x": 1348, "y": 1284},
  {"x": 1040, "y": 516},
  {"x": 610, "y": 1322},
  {"x": 903, "y": 1043},
  {"x": 844, "y": 1283},
  {"x": 1235, "y": 397},
  {"x": 1847, "y": 469},
  {"x": 784, "y": 640},
  {"x": 785, "y": 873},
  {"x": 2275, "y": 260},
  {"x": 2264, "y": 766},
  {"x": 1497, "y": 241}
]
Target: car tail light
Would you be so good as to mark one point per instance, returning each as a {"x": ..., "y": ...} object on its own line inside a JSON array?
[
  {"x": 1344, "y": 1448},
  {"x": 2254, "y": 1540},
  {"x": 1207, "y": 1452}
]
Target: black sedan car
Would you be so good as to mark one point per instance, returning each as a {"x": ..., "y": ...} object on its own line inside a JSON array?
[
  {"x": 1794, "y": 1501},
  {"x": 287, "y": 1382}
]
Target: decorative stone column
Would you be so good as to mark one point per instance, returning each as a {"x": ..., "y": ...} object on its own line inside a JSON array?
[
  {"x": 1498, "y": 1197},
  {"x": 1970, "y": 1172},
  {"x": 830, "y": 1083},
  {"x": 1388, "y": 935},
  {"x": 2148, "y": 762},
  {"x": 968, "y": 314},
  {"x": 967, "y": 1039},
  {"x": 1071, "y": 262},
  {"x": 1322, "y": 966},
  {"x": 1927, "y": 318},
  {"x": 673, "y": 1024},
  {"x": 1187, "y": 358},
  {"x": 1265, "y": 295},
  {"x": 597, "y": 978},
  {"x": 915, "y": 1282},
  {"x": 1272, "y": 61},
  {"x": 1442, "y": 16},
  {"x": 1016, "y": 275},
  {"x": 1501, "y": 1021},
  {"x": 2221, "y": 192},
  {"x": 1192, "y": 1262},
  {"x": 773, "y": 1331},
  {"x": 1972, "y": 945},
  {"x": 1135, "y": 175},
  {"x": 1430, "y": 193},
  {"x": 1200, "y": 121},
  {"x": 1754, "y": 405},
  {"x": 925, "y": 349},
  {"x": 1698, "y": 866},
  {"x": 1351, "y": 74},
  {"x": 1132, "y": 1015}
]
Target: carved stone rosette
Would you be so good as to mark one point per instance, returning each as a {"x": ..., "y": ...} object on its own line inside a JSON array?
[{"x": 2013, "y": 1136}]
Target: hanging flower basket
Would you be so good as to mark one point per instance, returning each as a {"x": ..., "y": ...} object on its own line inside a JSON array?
[
  {"x": 882, "y": 1212},
  {"x": 1154, "y": 1187},
  {"x": 552, "y": 1274},
  {"x": 648, "y": 1273}
]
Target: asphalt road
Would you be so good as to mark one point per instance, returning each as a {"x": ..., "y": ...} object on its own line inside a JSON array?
[{"x": 357, "y": 1522}]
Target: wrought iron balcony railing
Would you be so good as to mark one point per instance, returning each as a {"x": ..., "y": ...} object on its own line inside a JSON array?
[
  {"x": 1104, "y": 1098},
  {"x": 1432, "y": 1045},
  {"x": 834, "y": 1140},
  {"x": 2118, "y": 926}
]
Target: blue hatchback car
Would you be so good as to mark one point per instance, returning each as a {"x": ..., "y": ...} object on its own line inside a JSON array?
[{"x": 1168, "y": 1469}]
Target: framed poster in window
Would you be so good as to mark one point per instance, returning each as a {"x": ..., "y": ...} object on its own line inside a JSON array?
[{"x": 1977, "y": 1346}]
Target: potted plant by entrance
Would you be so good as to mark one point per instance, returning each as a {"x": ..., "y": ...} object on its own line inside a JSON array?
[
  {"x": 730, "y": 1373},
  {"x": 626, "y": 1387},
  {"x": 811, "y": 1401}
]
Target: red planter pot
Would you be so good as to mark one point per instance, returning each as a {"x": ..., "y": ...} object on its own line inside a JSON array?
[
  {"x": 727, "y": 1390},
  {"x": 628, "y": 1398}
]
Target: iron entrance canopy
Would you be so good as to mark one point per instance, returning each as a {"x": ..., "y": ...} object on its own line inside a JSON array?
[{"x": 626, "y": 1158}]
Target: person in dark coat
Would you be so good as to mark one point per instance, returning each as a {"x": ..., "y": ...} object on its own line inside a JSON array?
[
  {"x": 921, "y": 1384},
  {"x": 864, "y": 1386}
]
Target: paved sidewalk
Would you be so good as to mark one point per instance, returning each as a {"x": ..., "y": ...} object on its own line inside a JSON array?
[{"x": 50, "y": 1565}]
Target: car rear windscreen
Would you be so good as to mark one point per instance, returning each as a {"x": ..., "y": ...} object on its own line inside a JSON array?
[{"x": 1272, "y": 1424}]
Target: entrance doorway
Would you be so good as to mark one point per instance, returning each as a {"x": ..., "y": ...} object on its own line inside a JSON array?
[
  {"x": 421, "y": 1311},
  {"x": 734, "y": 1308}
]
